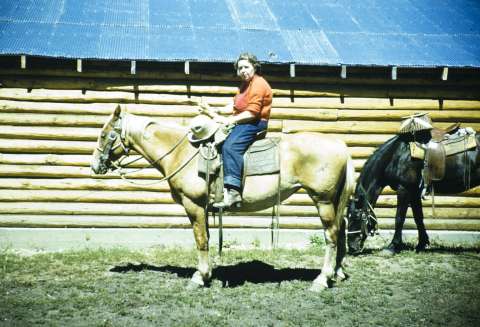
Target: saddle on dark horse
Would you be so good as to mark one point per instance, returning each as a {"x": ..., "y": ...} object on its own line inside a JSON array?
[
  {"x": 442, "y": 144},
  {"x": 261, "y": 158}
]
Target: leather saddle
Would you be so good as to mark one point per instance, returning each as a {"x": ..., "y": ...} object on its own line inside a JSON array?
[{"x": 444, "y": 143}]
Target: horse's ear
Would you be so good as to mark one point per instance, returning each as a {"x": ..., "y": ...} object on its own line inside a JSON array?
[{"x": 118, "y": 111}]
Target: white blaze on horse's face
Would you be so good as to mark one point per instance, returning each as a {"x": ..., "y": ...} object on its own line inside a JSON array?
[
  {"x": 245, "y": 70},
  {"x": 106, "y": 147}
]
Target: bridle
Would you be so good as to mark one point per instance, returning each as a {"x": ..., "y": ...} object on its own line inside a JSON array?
[
  {"x": 120, "y": 132},
  {"x": 366, "y": 216},
  {"x": 110, "y": 146}
]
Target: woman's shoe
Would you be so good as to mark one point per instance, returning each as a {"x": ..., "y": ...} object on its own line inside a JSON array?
[{"x": 231, "y": 198}]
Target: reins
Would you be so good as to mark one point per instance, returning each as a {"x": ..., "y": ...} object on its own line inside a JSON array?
[{"x": 123, "y": 142}]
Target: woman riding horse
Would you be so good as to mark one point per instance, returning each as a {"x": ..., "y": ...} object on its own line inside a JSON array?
[{"x": 251, "y": 111}]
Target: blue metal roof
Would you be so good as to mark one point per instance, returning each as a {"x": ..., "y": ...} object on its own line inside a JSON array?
[{"x": 320, "y": 32}]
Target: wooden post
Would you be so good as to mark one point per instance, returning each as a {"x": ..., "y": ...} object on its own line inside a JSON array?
[
  {"x": 445, "y": 74},
  {"x": 79, "y": 65},
  {"x": 133, "y": 67},
  {"x": 23, "y": 62},
  {"x": 187, "y": 67},
  {"x": 343, "y": 72},
  {"x": 292, "y": 70},
  {"x": 394, "y": 73}
]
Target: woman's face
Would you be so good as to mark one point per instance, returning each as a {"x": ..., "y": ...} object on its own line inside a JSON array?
[{"x": 245, "y": 70}]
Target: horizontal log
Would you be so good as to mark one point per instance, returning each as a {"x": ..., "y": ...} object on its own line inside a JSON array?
[
  {"x": 64, "y": 208},
  {"x": 39, "y": 171},
  {"x": 86, "y": 221},
  {"x": 204, "y": 87},
  {"x": 87, "y": 196},
  {"x": 46, "y": 146},
  {"x": 188, "y": 110},
  {"x": 81, "y": 184},
  {"x": 384, "y": 127},
  {"x": 91, "y": 134},
  {"x": 322, "y": 90},
  {"x": 363, "y": 103},
  {"x": 275, "y": 74},
  {"x": 134, "y": 185},
  {"x": 49, "y": 133},
  {"x": 183, "y": 111},
  {"x": 464, "y": 116},
  {"x": 81, "y": 160},
  {"x": 435, "y": 224},
  {"x": 28, "y": 119},
  {"x": 300, "y": 199},
  {"x": 153, "y": 110},
  {"x": 78, "y": 147},
  {"x": 58, "y": 160},
  {"x": 77, "y": 96}
]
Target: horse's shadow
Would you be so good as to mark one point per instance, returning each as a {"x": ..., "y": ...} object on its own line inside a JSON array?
[{"x": 254, "y": 271}]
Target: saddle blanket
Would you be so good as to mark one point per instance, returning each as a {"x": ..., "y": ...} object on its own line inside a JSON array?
[{"x": 261, "y": 158}]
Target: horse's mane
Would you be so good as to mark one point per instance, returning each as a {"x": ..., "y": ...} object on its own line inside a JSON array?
[
  {"x": 376, "y": 163},
  {"x": 136, "y": 124}
]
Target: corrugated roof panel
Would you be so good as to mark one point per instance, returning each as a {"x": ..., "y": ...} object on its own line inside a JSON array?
[
  {"x": 66, "y": 38},
  {"x": 172, "y": 43},
  {"x": 368, "y": 32},
  {"x": 211, "y": 13},
  {"x": 409, "y": 18},
  {"x": 292, "y": 15},
  {"x": 91, "y": 12},
  {"x": 124, "y": 42},
  {"x": 310, "y": 47},
  {"x": 37, "y": 10},
  {"x": 372, "y": 16},
  {"x": 266, "y": 45},
  {"x": 252, "y": 14},
  {"x": 25, "y": 38},
  {"x": 332, "y": 16},
  {"x": 452, "y": 16},
  {"x": 210, "y": 43},
  {"x": 169, "y": 13}
]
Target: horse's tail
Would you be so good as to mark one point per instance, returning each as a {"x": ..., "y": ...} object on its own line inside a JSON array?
[{"x": 348, "y": 188}]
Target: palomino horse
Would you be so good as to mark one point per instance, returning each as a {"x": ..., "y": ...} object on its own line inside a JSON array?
[
  {"x": 319, "y": 164},
  {"x": 391, "y": 164}
]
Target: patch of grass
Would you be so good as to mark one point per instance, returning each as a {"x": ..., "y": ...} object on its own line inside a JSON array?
[{"x": 254, "y": 287}]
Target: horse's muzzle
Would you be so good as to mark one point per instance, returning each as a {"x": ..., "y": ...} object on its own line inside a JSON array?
[{"x": 98, "y": 168}]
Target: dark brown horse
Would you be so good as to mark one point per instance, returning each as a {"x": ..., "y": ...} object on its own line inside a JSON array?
[
  {"x": 316, "y": 162},
  {"x": 392, "y": 165}
]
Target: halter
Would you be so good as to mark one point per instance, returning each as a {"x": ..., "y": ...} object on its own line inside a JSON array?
[{"x": 122, "y": 129}]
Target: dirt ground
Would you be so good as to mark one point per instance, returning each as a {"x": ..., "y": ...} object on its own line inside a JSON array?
[{"x": 440, "y": 287}]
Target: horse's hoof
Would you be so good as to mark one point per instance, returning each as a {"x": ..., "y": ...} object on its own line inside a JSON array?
[
  {"x": 422, "y": 247},
  {"x": 389, "y": 251},
  {"x": 318, "y": 287},
  {"x": 196, "y": 281},
  {"x": 340, "y": 276},
  {"x": 319, "y": 284}
]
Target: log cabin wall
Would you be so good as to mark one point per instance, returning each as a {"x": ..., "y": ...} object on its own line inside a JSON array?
[{"x": 51, "y": 115}]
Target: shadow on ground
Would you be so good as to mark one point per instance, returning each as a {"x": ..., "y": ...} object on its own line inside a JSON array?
[{"x": 235, "y": 275}]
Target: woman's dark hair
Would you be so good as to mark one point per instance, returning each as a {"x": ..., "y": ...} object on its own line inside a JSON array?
[{"x": 252, "y": 59}]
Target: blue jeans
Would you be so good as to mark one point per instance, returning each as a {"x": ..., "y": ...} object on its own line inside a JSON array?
[{"x": 236, "y": 144}]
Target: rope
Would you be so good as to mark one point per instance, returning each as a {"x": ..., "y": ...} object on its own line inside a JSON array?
[{"x": 122, "y": 175}]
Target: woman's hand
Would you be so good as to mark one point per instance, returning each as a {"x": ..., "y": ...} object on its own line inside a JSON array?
[{"x": 223, "y": 120}]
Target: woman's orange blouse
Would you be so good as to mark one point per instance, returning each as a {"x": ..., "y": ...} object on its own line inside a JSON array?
[{"x": 255, "y": 97}]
